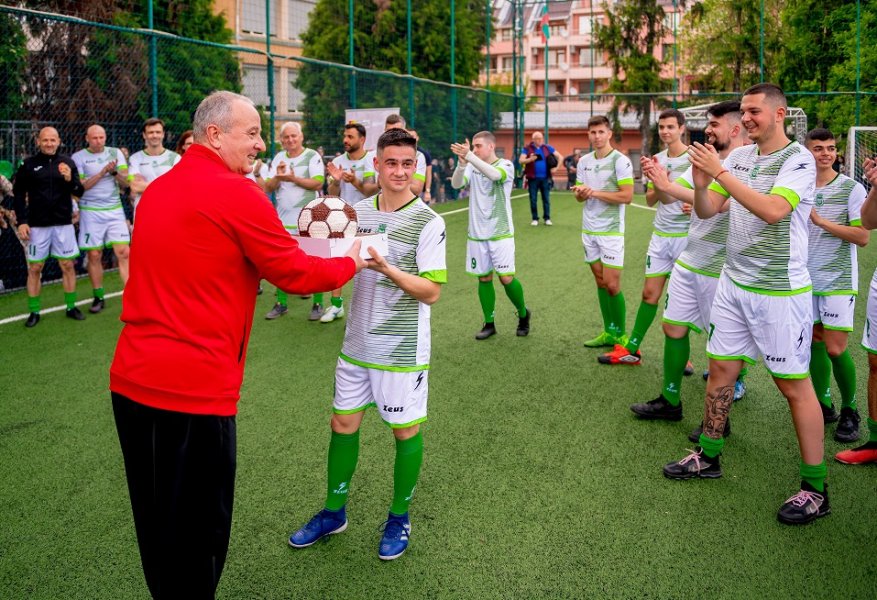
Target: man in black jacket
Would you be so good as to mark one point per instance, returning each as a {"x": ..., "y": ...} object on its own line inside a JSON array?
[{"x": 43, "y": 188}]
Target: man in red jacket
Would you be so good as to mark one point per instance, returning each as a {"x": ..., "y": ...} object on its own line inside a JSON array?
[{"x": 205, "y": 236}]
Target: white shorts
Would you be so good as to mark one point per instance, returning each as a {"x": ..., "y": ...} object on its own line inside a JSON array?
[
  {"x": 400, "y": 396},
  {"x": 100, "y": 229},
  {"x": 484, "y": 258},
  {"x": 835, "y": 312},
  {"x": 869, "y": 336},
  {"x": 58, "y": 241},
  {"x": 662, "y": 254},
  {"x": 745, "y": 325},
  {"x": 689, "y": 299},
  {"x": 608, "y": 249}
]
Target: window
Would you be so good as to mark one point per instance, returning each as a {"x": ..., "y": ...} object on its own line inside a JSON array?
[
  {"x": 299, "y": 11},
  {"x": 505, "y": 34},
  {"x": 557, "y": 30},
  {"x": 585, "y": 24},
  {"x": 296, "y": 97},
  {"x": 254, "y": 79},
  {"x": 253, "y": 17},
  {"x": 555, "y": 57},
  {"x": 586, "y": 55},
  {"x": 508, "y": 63}
]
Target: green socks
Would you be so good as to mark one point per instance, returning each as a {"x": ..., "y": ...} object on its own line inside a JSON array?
[
  {"x": 603, "y": 299},
  {"x": 409, "y": 456},
  {"x": 515, "y": 291},
  {"x": 99, "y": 293},
  {"x": 617, "y": 314},
  {"x": 676, "y": 353},
  {"x": 338, "y": 301},
  {"x": 872, "y": 430},
  {"x": 820, "y": 372},
  {"x": 318, "y": 298},
  {"x": 70, "y": 300},
  {"x": 282, "y": 298},
  {"x": 487, "y": 297},
  {"x": 711, "y": 448},
  {"x": 343, "y": 454},
  {"x": 845, "y": 375},
  {"x": 33, "y": 304},
  {"x": 814, "y": 475},
  {"x": 644, "y": 317}
]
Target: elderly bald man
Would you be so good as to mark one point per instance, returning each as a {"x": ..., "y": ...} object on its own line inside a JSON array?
[{"x": 44, "y": 188}]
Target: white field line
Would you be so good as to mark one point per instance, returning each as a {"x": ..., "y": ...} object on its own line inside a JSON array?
[{"x": 22, "y": 317}]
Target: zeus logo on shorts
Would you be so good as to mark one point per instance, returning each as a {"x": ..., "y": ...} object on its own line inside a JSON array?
[
  {"x": 393, "y": 409},
  {"x": 775, "y": 359}
]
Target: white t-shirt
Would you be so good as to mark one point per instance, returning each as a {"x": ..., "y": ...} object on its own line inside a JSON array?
[
  {"x": 605, "y": 174},
  {"x": 363, "y": 168},
  {"x": 490, "y": 204},
  {"x": 290, "y": 197},
  {"x": 150, "y": 167},
  {"x": 670, "y": 221},
  {"x": 104, "y": 195}
]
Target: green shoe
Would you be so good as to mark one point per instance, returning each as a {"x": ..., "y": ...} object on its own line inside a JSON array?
[{"x": 604, "y": 339}]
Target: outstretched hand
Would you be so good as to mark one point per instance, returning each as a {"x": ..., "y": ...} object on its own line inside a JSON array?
[{"x": 461, "y": 150}]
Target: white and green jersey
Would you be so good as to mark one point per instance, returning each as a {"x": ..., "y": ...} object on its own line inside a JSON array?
[
  {"x": 707, "y": 239},
  {"x": 150, "y": 167},
  {"x": 771, "y": 258},
  {"x": 104, "y": 195},
  {"x": 490, "y": 202},
  {"x": 670, "y": 221},
  {"x": 388, "y": 329},
  {"x": 290, "y": 197},
  {"x": 363, "y": 168},
  {"x": 832, "y": 262},
  {"x": 420, "y": 169},
  {"x": 605, "y": 174}
]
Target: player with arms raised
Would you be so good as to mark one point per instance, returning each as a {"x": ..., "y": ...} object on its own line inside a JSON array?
[
  {"x": 763, "y": 303},
  {"x": 491, "y": 245},
  {"x": 384, "y": 360}
]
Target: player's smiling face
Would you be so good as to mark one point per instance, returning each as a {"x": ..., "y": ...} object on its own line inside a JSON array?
[
  {"x": 292, "y": 140},
  {"x": 395, "y": 166},
  {"x": 669, "y": 130},
  {"x": 482, "y": 148},
  {"x": 760, "y": 117},
  {"x": 49, "y": 141},
  {"x": 718, "y": 132},
  {"x": 824, "y": 151},
  {"x": 154, "y": 136}
]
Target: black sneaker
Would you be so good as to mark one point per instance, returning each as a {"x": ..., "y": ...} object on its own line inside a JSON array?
[
  {"x": 829, "y": 415},
  {"x": 696, "y": 464},
  {"x": 689, "y": 369},
  {"x": 278, "y": 311},
  {"x": 97, "y": 305},
  {"x": 524, "y": 324},
  {"x": 75, "y": 314},
  {"x": 694, "y": 436},
  {"x": 848, "y": 426},
  {"x": 659, "y": 408},
  {"x": 488, "y": 330},
  {"x": 805, "y": 506},
  {"x": 32, "y": 320}
]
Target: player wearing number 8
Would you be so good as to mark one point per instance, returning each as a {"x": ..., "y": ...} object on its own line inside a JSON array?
[
  {"x": 491, "y": 245},
  {"x": 44, "y": 209}
]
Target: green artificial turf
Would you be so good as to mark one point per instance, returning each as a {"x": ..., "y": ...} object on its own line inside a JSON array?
[{"x": 537, "y": 481}]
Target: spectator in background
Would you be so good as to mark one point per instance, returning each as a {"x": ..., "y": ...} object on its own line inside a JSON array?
[
  {"x": 185, "y": 140},
  {"x": 571, "y": 162},
  {"x": 435, "y": 183},
  {"x": 450, "y": 191},
  {"x": 427, "y": 157},
  {"x": 535, "y": 160}
]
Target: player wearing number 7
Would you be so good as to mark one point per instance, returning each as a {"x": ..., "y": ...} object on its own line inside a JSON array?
[{"x": 491, "y": 245}]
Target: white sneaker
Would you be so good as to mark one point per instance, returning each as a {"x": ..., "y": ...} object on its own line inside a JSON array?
[
  {"x": 332, "y": 313},
  {"x": 548, "y": 222},
  {"x": 534, "y": 222}
]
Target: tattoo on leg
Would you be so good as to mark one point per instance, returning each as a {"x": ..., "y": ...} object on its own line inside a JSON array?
[{"x": 718, "y": 405}]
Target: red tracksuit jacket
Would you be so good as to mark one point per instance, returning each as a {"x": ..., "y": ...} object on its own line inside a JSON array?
[{"x": 204, "y": 237}]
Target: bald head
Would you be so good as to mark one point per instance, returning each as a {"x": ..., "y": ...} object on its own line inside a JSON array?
[
  {"x": 96, "y": 138},
  {"x": 48, "y": 140}
]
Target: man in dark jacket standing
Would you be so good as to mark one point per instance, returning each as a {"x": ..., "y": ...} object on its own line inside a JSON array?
[
  {"x": 205, "y": 236},
  {"x": 43, "y": 188}
]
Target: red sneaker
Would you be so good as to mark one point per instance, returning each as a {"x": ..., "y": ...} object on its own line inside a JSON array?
[
  {"x": 620, "y": 356},
  {"x": 858, "y": 456}
]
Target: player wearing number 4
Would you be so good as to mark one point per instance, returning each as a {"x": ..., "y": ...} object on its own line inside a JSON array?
[
  {"x": 668, "y": 239},
  {"x": 604, "y": 182},
  {"x": 491, "y": 245},
  {"x": 835, "y": 231},
  {"x": 384, "y": 360}
]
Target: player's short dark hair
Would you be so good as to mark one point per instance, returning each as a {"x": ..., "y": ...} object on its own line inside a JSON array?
[
  {"x": 151, "y": 122},
  {"x": 728, "y": 107},
  {"x": 395, "y": 119},
  {"x": 396, "y": 137},
  {"x": 672, "y": 113},
  {"x": 598, "y": 120},
  {"x": 358, "y": 127},
  {"x": 771, "y": 91},
  {"x": 819, "y": 134},
  {"x": 486, "y": 135}
]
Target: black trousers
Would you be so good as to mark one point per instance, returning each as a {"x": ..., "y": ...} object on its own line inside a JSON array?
[{"x": 181, "y": 470}]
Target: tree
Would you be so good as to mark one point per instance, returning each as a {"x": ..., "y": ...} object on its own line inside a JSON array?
[
  {"x": 13, "y": 65},
  {"x": 633, "y": 32},
  {"x": 380, "y": 43}
]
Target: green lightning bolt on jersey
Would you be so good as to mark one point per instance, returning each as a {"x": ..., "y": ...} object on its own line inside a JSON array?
[
  {"x": 707, "y": 239},
  {"x": 832, "y": 262},
  {"x": 771, "y": 258},
  {"x": 490, "y": 202},
  {"x": 290, "y": 197},
  {"x": 388, "y": 329},
  {"x": 670, "y": 221},
  {"x": 605, "y": 174}
]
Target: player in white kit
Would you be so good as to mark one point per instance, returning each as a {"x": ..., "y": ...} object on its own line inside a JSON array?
[{"x": 152, "y": 162}]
